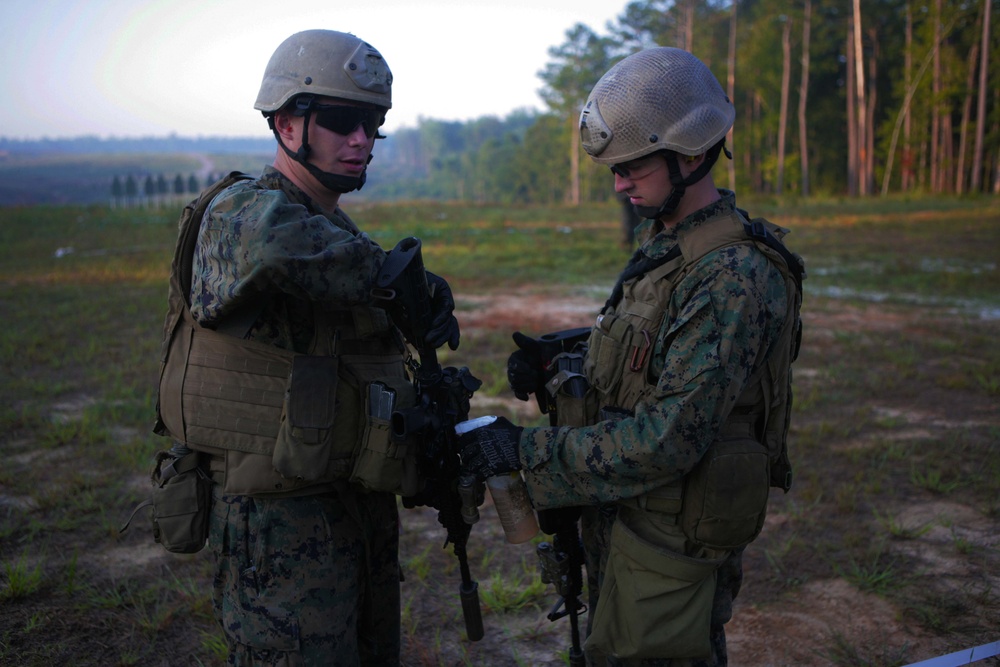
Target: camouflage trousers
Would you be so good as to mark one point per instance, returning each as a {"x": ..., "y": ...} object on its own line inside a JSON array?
[
  {"x": 595, "y": 525},
  {"x": 309, "y": 580}
]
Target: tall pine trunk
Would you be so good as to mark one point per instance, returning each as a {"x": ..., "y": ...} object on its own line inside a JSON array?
[
  {"x": 869, "y": 111},
  {"x": 935, "y": 157},
  {"x": 803, "y": 96},
  {"x": 963, "y": 128},
  {"x": 852, "y": 112},
  {"x": 907, "y": 178},
  {"x": 731, "y": 88},
  {"x": 861, "y": 117},
  {"x": 984, "y": 60},
  {"x": 786, "y": 77}
]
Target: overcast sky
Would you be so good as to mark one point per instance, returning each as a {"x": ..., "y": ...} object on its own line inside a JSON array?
[{"x": 128, "y": 68}]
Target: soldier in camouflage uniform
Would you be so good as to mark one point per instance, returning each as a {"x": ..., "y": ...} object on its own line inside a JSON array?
[
  {"x": 308, "y": 577},
  {"x": 672, "y": 366}
]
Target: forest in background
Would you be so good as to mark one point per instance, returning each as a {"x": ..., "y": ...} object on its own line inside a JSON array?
[{"x": 833, "y": 98}]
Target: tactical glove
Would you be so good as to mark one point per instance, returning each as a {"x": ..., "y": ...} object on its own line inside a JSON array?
[
  {"x": 491, "y": 450},
  {"x": 524, "y": 366},
  {"x": 444, "y": 326}
]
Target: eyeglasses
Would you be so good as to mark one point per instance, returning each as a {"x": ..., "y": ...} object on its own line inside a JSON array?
[
  {"x": 638, "y": 169},
  {"x": 344, "y": 119}
]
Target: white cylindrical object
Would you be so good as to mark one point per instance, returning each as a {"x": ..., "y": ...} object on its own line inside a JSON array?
[{"x": 473, "y": 424}]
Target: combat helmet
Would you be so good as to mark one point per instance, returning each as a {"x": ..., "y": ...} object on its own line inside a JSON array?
[
  {"x": 324, "y": 63},
  {"x": 661, "y": 99}
]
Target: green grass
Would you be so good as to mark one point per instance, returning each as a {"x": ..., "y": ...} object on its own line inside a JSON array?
[{"x": 895, "y": 409}]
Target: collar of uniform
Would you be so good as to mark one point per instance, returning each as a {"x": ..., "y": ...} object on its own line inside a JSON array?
[
  {"x": 272, "y": 179},
  {"x": 666, "y": 239}
]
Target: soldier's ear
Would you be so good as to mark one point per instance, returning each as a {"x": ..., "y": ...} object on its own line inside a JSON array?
[{"x": 288, "y": 126}]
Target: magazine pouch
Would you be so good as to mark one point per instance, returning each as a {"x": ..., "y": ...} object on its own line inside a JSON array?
[{"x": 385, "y": 462}]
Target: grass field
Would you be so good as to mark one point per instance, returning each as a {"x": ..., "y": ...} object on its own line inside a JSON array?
[{"x": 885, "y": 552}]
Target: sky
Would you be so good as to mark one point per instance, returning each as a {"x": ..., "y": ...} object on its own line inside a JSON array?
[{"x": 140, "y": 68}]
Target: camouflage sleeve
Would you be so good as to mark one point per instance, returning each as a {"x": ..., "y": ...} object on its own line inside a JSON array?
[
  {"x": 256, "y": 241},
  {"x": 731, "y": 308}
]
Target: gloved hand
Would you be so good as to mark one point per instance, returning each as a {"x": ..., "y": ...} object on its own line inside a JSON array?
[
  {"x": 444, "y": 326},
  {"x": 491, "y": 450},
  {"x": 524, "y": 366}
]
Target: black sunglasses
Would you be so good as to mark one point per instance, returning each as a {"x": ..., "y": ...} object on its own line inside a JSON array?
[
  {"x": 621, "y": 170},
  {"x": 644, "y": 165},
  {"x": 345, "y": 119}
]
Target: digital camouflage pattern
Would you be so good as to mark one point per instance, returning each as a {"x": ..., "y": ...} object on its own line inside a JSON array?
[
  {"x": 730, "y": 310},
  {"x": 265, "y": 237},
  {"x": 299, "y": 580}
]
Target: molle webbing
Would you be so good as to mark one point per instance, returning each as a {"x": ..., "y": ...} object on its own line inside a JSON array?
[{"x": 232, "y": 393}]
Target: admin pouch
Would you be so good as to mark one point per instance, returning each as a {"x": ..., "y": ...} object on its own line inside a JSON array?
[
  {"x": 654, "y": 602},
  {"x": 181, "y": 500}
]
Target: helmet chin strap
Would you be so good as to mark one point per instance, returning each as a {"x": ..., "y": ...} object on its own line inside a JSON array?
[
  {"x": 679, "y": 183},
  {"x": 330, "y": 181}
]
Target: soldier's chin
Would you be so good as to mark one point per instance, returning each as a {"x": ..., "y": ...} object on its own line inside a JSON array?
[{"x": 646, "y": 211}]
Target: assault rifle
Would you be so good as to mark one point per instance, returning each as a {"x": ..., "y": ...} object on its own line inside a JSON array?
[
  {"x": 443, "y": 396},
  {"x": 561, "y": 562}
]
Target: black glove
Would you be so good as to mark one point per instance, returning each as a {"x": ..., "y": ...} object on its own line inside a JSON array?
[
  {"x": 444, "y": 326},
  {"x": 491, "y": 450},
  {"x": 524, "y": 366}
]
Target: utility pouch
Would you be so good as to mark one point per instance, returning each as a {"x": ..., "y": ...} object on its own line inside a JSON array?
[
  {"x": 725, "y": 496},
  {"x": 654, "y": 602},
  {"x": 385, "y": 462},
  {"x": 181, "y": 502},
  {"x": 304, "y": 445}
]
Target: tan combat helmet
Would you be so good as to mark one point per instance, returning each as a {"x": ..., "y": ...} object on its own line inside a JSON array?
[
  {"x": 318, "y": 64},
  {"x": 325, "y": 63},
  {"x": 656, "y": 99},
  {"x": 661, "y": 100}
]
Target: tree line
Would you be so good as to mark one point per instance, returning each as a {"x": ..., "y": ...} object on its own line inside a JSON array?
[
  {"x": 833, "y": 97},
  {"x": 156, "y": 191}
]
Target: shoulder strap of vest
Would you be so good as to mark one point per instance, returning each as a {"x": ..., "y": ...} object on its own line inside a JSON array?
[
  {"x": 638, "y": 265},
  {"x": 183, "y": 262},
  {"x": 190, "y": 225},
  {"x": 758, "y": 230}
]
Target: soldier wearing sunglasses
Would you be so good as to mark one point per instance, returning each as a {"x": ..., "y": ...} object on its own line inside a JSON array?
[{"x": 306, "y": 556}]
